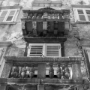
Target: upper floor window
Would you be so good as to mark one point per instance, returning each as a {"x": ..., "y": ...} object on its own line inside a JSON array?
[
  {"x": 8, "y": 15},
  {"x": 47, "y": 50},
  {"x": 88, "y": 14},
  {"x": 82, "y": 15}
]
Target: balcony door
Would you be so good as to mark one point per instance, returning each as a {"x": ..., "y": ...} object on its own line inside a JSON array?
[{"x": 39, "y": 27}]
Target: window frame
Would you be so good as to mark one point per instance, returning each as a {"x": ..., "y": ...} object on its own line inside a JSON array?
[
  {"x": 13, "y": 16},
  {"x": 88, "y": 15},
  {"x": 53, "y": 45},
  {"x": 29, "y": 49},
  {"x": 44, "y": 52},
  {"x": 7, "y": 15},
  {"x": 76, "y": 15},
  {"x": 4, "y": 16},
  {"x": 81, "y": 14}
]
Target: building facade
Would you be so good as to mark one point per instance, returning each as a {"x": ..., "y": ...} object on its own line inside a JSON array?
[{"x": 45, "y": 47}]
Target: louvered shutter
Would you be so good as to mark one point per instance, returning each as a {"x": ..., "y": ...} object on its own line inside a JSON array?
[
  {"x": 53, "y": 50},
  {"x": 36, "y": 50},
  {"x": 11, "y": 15},
  {"x": 3, "y": 15}
]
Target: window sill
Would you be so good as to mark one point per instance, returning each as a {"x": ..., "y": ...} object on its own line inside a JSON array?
[
  {"x": 6, "y": 23},
  {"x": 82, "y": 22}
]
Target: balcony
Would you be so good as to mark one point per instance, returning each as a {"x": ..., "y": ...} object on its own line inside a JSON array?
[
  {"x": 40, "y": 81},
  {"x": 28, "y": 60},
  {"x": 44, "y": 77},
  {"x": 44, "y": 39},
  {"x": 44, "y": 24}
]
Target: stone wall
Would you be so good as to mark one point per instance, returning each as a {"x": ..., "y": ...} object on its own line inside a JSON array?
[{"x": 84, "y": 31}]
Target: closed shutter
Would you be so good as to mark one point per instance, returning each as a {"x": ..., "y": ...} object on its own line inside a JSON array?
[
  {"x": 29, "y": 26},
  {"x": 53, "y": 50},
  {"x": 39, "y": 26},
  {"x": 61, "y": 26},
  {"x": 50, "y": 26},
  {"x": 81, "y": 15},
  {"x": 36, "y": 50},
  {"x": 3, "y": 15}
]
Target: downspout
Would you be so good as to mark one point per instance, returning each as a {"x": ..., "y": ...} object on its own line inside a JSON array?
[
  {"x": 86, "y": 61},
  {"x": 2, "y": 59}
]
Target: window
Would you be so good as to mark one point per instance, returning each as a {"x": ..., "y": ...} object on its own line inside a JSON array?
[
  {"x": 52, "y": 50},
  {"x": 2, "y": 16},
  {"x": 88, "y": 14},
  {"x": 82, "y": 14},
  {"x": 47, "y": 50},
  {"x": 8, "y": 15},
  {"x": 36, "y": 50}
]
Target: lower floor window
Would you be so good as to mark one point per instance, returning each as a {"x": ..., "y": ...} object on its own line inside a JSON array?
[{"x": 47, "y": 50}]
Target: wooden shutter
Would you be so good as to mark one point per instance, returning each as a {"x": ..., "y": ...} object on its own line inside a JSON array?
[
  {"x": 61, "y": 26},
  {"x": 39, "y": 26},
  {"x": 53, "y": 50},
  {"x": 50, "y": 26},
  {"x": 3, "y": 15},
  {"x": 11, "y": 15},
  {"x": 29, "y": 26},
  {"x": 36, "y": 50},
  {"x": 81, "y": 15}
]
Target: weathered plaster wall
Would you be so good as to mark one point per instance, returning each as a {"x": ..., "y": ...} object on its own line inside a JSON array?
[
  {"x": 71, "y": 48},
  {"x": 84, "y": 31},
  {"x": 12, "y": 32}
]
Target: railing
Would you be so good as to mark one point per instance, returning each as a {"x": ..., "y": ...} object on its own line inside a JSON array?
[
  {"x": 40, "y": 81},
  {"x": 23, "y": 59}
]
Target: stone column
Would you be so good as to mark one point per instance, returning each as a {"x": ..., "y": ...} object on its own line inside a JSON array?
[
  {"x": 76, "y": 72},
  {"x": 41, "y": 71},
  {"x": 40, "y": 87},
  {"x": 2, "y": 86}
]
